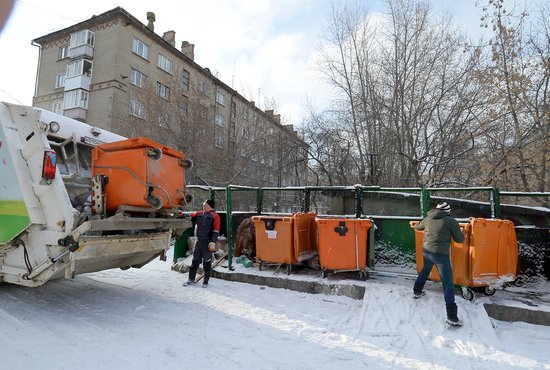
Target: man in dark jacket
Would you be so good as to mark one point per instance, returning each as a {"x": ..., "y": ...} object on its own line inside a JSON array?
[
  {"x": 207, "y": 230},
  {"x": 439, "y": 227}
]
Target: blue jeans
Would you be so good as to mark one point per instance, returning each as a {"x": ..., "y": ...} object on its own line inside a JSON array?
[{"x": 443, "y": 264}]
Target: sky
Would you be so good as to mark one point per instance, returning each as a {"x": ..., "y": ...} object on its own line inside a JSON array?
[
  {"x": 145, "y": 319},
  {"x": 262, "y": 48}
]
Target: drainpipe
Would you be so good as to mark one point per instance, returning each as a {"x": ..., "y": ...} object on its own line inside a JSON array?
[{"x": 37, "y": 69}]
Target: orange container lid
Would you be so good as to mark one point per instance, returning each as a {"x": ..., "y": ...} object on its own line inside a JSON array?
[{"x": 137, "y": 143}]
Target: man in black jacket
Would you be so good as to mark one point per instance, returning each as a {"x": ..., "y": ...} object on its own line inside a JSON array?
[
  {"x": 207, "y": 230},
  {"x": 439, "y": 227}
]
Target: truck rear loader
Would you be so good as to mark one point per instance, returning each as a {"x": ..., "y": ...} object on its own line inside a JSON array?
[{"x": 60, "y": 216}]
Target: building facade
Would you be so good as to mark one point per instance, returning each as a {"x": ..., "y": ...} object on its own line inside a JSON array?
[{"x": 116, "y": 73}]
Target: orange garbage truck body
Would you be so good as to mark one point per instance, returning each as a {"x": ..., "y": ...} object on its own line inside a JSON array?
[{"x": 139, "y": 173}]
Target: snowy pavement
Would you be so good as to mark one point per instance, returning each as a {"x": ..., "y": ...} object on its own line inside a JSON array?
[{"x": 145, "y": 319}]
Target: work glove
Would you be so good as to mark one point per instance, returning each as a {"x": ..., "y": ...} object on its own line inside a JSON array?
[{"x": 212, "y": 247}]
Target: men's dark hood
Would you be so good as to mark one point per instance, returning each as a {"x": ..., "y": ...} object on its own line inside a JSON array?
[{"x": 437, "y": 213}]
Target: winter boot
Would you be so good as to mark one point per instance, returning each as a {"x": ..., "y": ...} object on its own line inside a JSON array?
[
  {"x": 207, "y": 274},
  {"x": 189, "y": 282},
  {"x": 417, "y": 295},
  {"x": 452, "y": 316},
  {"x": 417, "y": 290}
]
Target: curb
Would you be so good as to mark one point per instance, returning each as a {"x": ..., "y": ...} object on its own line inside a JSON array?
[
  {"x": 351, "y": 290},
  {"x": 511, "y": 314}
]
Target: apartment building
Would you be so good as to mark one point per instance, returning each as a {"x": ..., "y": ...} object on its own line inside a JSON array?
[{"x": 114, "y": 72}]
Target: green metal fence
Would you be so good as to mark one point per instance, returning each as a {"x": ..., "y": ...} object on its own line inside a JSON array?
[{"x": 391, "y": 242}]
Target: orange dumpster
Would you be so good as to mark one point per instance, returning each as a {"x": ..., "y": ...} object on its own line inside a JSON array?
[
  {"x": 488, "y": 256},
  {"x": 460, "y": 256},
  {"x": 139, "y": 173},
  {"x": 494, "y": 251},
  {"x": 342, "y": 244},
  {"x": 285, "y": 239}
]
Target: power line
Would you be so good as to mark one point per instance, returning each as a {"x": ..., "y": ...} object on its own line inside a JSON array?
[
  {"x": 11, "y": 96},
  {"x": 47, "y": 11}
]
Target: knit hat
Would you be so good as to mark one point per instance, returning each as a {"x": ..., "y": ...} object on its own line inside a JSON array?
[
  {"x": 443, "y": 206},
  {"x": 211, "y": 203}
]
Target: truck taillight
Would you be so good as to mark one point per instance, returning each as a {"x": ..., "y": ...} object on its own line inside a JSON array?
[{"x": 49, "y": 164}]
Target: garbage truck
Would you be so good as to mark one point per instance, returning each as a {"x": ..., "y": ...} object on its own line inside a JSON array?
[{"x": 75, "y": 198}]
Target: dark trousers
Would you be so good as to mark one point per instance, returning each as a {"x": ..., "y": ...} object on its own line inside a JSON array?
[
  {"x": 201, "y": 254},
  {"x": 443, "y": 264}
]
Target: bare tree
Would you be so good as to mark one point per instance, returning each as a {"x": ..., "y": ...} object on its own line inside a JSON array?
[
  {"x": 408, "y": 97},
  {"x": 517, "y": 77}
]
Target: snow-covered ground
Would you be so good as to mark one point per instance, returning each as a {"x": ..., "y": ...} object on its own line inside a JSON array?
[{"x": 145, "y": 319}]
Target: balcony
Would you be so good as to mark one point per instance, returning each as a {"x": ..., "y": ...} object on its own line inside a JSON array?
[
  {"x": 76, "y": 113},
  {"x": 78, "y": 82},
  {"x": 81, "y": 51}
]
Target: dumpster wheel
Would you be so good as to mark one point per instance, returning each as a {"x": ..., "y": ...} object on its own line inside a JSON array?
[
  {"x": 362, "y": 275},
  {"x": 155, "y": 202},
  {"x": 324, "y": 273},
  {"x": 467, "y": 293},
  {"x": 488, "y": 290}
]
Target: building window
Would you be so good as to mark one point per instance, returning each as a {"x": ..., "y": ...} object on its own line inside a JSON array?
[
  {"x": 245, "y": 133},
  {"x": 79, "y": 67},
  {"x": 140, "y": 48},
  {"x": 219, "y": 120},
  {"x": 185, "y": 80},
  {"x": 84, "y": 37},
  {"x": 164, "y": 119},
  {"x": 59, "y": 80},
  {"x": 57, "y": 107},
  {"x": 165, "y": 63},
  {"x": 137, "y": 109},
  {"x": 163, "y": 91},
  {"x": 220, "y": 98},
  {"x": 255, "y": 120},
  {"x": 75, "y": 99},
  {"x": 245, "y": 114},
  {"x": 204, "y": 88},
  {"x": 184, "y": 108},
  {"x": 219, "y": 142},
  {"x": 137, "y": 78},
  {"x": 63, "y": 52}
]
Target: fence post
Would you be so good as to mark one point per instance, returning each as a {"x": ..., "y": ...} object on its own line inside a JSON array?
[
  {"x": 259, "y": 200},
  {"x": 307, "y": 200},
  {"x": 229, "y": 226},
  {"x": 425, "y": 202},
  {"x": 358, "y": 202},
  {"x": 495, "y": 203}
]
